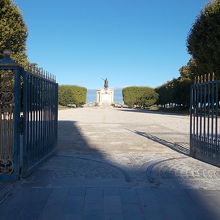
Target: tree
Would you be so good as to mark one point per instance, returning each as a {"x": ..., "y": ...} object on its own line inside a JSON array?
[
  {"x": 176, "y": 91},
  {"x": 166, "y": 93},
  {"x": 204, "y": 39},
  {"x": 191, "y": 70},
  {"x": 13, "y": 31}
]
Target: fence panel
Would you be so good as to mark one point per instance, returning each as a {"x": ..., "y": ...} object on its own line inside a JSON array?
[
  {"x": 28, "y": 120},
  {"x": 204, "y": 120},
  {"x": 40, "y": 118}
]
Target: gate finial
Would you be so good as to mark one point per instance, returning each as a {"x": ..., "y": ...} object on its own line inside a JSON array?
[
  {"x": 213, "y": 76},
  {"x": 7, "y": 52},
  {"x": 7, "y": 60}
]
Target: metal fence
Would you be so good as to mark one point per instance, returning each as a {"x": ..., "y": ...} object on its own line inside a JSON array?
[
  {"x": 28, "y": 120},
  {"x": 204, "y": 120}
]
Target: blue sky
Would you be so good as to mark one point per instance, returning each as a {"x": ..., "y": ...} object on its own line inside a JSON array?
[{"x": 132, "y": 42}]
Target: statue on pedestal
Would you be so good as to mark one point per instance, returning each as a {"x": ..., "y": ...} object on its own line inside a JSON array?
[
  {"x": 105, "y": 96},
  {"x": 105, "y": 83}
]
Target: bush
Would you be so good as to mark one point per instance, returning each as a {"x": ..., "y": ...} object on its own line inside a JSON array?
[
  {"x": 140, "y": 96},
  {"x": 69, "y": 95}
]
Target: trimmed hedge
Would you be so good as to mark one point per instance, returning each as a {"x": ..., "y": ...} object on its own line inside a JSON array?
[
  {"x": 140, "y": 96},
  {"x": 175, "y": 92},
  {"x": 69, "y": 94}
]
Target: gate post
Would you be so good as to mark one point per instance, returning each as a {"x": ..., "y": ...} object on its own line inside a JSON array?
[{"x": 10, "y": 108}]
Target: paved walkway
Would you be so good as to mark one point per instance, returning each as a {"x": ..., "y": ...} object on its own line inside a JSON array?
[{"x": 118, "y": 164}]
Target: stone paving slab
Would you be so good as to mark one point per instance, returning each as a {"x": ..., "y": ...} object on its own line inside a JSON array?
[
  {"x": 44, "y": 203},
  {"x": 118, "y": 164},
  {"x": 6, "y": 189}
]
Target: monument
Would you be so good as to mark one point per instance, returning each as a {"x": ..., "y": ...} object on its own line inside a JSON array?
[{"x": 105, "y": 96}]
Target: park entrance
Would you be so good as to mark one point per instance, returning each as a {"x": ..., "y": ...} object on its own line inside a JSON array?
[{"x": 29, "y": 110}]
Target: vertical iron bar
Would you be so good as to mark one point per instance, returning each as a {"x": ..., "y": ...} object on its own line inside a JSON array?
[
  {"x": 208, "y": 136},
  {"x": 26, "y": 123},
  {"x": 40, "y": 117},
  {"x": 212, "y": 131},
  {"x": 37, "y": 121},
  {"x": 216, "y": 118},
  {"x": 191, "y": 113},
  {"x": 31, "y": 121},
  {"x": 43, "y": 115},
  {"x": 56, "y": 119},
  {"x": 194, "y": 111},
  {"x": 204, "y": 124},
  {"x": 48, "y": 115},
  {"x": 1, "y": 119},
  {"x": 17, "y": 109},
  {"x": 200, "y": 112},
  {"x": 28, "y": 117},
  {"x": 191, "y": 107},
  {"x": 197, "y": 103},
  {"x": 51, "y": 114},
  {"x": 34, "y": 119}
]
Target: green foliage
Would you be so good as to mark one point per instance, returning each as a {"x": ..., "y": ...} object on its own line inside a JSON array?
[
  {"x": 165, "y": 94},
  {"x": 13, "y": 31},
  {"x": 175, "y": 92},
  {"x": 140, "y": 96},
  {"x": 204, "y": 39},
  {"x": 204, "y": 46},
  {"x": 68, "y": 94},
  {"x": 181, "y": 93},
  {"x": 191, "y": 70}
]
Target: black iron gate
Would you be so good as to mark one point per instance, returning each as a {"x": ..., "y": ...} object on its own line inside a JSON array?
[
  {"x": 28, "y": 120},
  {"x": 204, "y": 120}
]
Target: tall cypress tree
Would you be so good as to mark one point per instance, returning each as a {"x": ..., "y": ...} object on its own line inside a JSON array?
[{"x": 13, "y": 31}]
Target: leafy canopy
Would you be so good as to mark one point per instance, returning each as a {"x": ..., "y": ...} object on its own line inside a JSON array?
[
  {"x": 176, "y": 91},
  {"x": 204, "y": 39},
  {"x": 13, "y": 31}
]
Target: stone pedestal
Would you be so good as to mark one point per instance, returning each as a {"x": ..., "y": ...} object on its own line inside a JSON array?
[{"x": 105, "y": 97}]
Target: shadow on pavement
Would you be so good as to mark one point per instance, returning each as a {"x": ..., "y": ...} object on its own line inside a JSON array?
[
  {"x": 179, "y": 147},
  {"x": 81, "y": 182},
  {"x": 71, "y": 139},
  {"x": 152, "y": 112}
]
